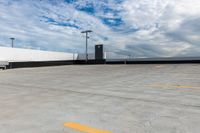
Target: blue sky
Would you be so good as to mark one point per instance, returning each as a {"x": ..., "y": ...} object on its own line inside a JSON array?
[{"x": 140, "y": 28}]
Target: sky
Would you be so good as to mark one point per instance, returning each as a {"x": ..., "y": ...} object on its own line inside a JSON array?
[{"x": 136, "y": 28}]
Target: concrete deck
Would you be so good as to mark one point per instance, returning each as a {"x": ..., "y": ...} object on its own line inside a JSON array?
[{"x": 117, "y": 98}]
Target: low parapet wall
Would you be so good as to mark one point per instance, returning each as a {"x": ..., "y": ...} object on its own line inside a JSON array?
[
  {"x": 19, "y": 58},
  {"x": 143, "y": 61},
  {"x": 38, "y": 64}
]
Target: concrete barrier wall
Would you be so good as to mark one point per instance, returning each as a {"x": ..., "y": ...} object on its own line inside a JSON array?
[{"x": 23, "y": 55}]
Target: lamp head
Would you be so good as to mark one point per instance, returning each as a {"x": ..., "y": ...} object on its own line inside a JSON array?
[{"x": 87, "y": 31}]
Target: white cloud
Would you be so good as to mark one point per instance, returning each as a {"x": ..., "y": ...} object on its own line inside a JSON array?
[
  {"x": 161, "y": 22},
  {"x": 162, "y": 27}
]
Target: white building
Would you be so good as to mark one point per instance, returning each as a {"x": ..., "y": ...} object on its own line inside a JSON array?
[{"x": 23, "y": 55}]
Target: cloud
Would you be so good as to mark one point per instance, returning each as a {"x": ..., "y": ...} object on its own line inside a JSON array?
[
  {"x": 141, "y": 28},
  {"x": 165, "y": 24}
]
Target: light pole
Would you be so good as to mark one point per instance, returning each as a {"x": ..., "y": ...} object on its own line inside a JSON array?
[
  {"x": 86, "y": 49},
  {"x": 12, "y": 39}
]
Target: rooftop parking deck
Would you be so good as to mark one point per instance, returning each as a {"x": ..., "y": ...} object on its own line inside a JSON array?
[{"x": 149, "y": 98}]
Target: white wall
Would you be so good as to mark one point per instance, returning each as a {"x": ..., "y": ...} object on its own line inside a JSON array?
[{"x": 18, "y": 55}]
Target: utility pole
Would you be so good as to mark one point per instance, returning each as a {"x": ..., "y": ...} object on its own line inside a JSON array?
[
  {"x": 12, "y": 39},
  {"x": 86, "y": 47}
]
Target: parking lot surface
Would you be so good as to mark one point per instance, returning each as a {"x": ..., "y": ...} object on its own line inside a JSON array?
[{"x": 159, "y": 98}]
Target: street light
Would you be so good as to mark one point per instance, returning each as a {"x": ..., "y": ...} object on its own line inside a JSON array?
[
  {"x": 12, "y": 39},
  {"x": 86, "y": 49}
]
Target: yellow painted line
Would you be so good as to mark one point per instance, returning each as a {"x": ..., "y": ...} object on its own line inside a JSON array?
[
  {"x": 160, "y": 66},
  {"x": 84, "y": 128},
  {"x": 176, "y": 86}
]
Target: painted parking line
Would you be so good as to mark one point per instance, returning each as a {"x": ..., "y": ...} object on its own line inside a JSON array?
[
  {"x": 159, "y": 66},
  {"x": 174, "y": 86},
  {"x": 84, "y": 128}
]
